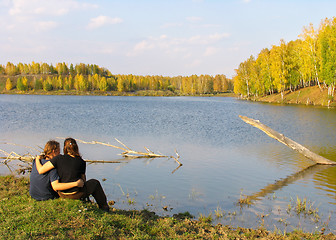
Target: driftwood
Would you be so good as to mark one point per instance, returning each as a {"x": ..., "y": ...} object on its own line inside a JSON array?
[
  {"x": 129, "y": 153},
  {"x": 288, "y": 142},
  {"x": 24, "y": 162}
]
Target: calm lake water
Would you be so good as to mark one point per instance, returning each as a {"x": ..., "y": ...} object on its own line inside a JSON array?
[{"x": 223, "y": 157}]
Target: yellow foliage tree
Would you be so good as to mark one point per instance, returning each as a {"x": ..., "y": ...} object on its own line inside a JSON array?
[{"x": 9, "y": 84}]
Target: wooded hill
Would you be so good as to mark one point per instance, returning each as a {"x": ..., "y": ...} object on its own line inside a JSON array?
[
  {"x": 307, "y": 61},
  {"x": 89, "y": 77}
]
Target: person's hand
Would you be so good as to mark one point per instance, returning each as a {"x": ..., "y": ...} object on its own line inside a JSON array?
[
  {"x": 80, "y": 183},
  {"x": 38, "y": 158}
]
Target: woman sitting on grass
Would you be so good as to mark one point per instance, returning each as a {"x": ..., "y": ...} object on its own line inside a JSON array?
[
  {"x": 72, "y": 167},
  {"x": 44, "y": 186}
]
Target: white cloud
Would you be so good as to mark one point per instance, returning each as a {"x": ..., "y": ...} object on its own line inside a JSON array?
[
  {"x": 39, "y": 15},
  {"x": 46, "y": 25},
  {"x": 209, "y": 51},
  {"x": 219, "y": 36},
  {"x": 178, "y": 45},
  {"x": 247, "y": 1},
  {"x": 103, "y": 20},
  {"x": 45, "y": 7}
]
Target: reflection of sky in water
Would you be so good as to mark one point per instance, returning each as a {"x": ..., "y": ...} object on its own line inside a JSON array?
[{"x": 222, "y": 156}]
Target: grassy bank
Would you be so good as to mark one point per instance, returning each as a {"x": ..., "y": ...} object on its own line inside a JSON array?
[
  {"x": 21, "y": 217},
  {"x": 305, "y": 96}
]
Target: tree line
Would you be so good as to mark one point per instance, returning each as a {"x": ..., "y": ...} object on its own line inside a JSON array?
[
  {"x": 90, "y": 77},
  {"x": 310, "y": 60}
]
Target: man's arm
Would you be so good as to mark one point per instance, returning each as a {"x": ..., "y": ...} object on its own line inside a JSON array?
[
  {"x": 57, "y": 186},
  {"x": 83, "y": 176},
  {"x": 43, "y": 168}
]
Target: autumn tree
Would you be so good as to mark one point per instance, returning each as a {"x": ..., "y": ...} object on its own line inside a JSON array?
[
  {"x": 2, "y": 69},
  {"x": 38, "y": 83},
  {"x": 309, "y": 54},
  {"x": 11, "y": 69},
  {"x": 264, "y": 64},
  {"x": 22, "y": 84},
  {"x": 47, "y": 84},
  {"x": 327, "y": 45},
  {"x": 103, "y": 85},
  {"x": 9, "y": 84}
]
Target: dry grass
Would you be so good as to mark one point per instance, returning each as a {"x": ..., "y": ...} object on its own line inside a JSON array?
[{"x": 306, "y": 96}]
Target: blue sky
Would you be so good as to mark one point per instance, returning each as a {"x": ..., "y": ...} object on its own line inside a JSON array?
[{"x": 147, "y": 37}]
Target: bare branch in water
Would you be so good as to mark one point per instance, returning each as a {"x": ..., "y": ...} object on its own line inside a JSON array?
[
  {"x": 28, "y": 158},
  {"x": 129, "y": 153}
]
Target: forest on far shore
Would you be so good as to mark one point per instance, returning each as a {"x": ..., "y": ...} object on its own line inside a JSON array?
[
  {"x": 43, "y": 77},
  {"x": 307, "y": 61}
]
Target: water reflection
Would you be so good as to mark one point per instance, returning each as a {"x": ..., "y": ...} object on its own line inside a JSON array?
[{"x": 316, "y": 169}]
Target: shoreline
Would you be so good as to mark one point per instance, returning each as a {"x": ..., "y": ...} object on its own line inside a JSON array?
[
  {"x": 141, "y": 93},
  {"x": 21, "y": 217},
  {"x": 309, "y": 96}
]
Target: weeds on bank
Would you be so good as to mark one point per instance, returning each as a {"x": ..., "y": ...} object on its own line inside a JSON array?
[{"x": 21, "y": 217}]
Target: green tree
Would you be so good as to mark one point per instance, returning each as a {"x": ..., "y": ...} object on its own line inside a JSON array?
[
  {"x": 327, "y": 46},
  {"x": 83, "y": 83},
  {"x": 22, "y": 84},
  {"x": 292, "y": 64},
  {"x": 47, "y": 84},
  {"x": 264, "y": 65},
  {"x": 121, "y": 84},
  {"x": 2, "y": 69},
  {"x": 38, "y": 84},
  {"x": 103, "y": 85},
  {"x": 309, "y": 62}
]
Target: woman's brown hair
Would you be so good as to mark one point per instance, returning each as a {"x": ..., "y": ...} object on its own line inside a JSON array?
[
  {"x": 71, "y": 147},
  {"x": 50, "y": 147}
]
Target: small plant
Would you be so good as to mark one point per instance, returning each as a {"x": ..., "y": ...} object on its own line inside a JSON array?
[
  {"x": 305, "y": 207},
  {"x": 281, "y": 220},
  {"x": 262, "y": 218},
  {"x": 244, "y": 200},
  {"x": 131, "y": 201},
  {"x": 205, "y": 219},
  {"x": 301, "y": 205},
  {"x": 219, "y": 213},
  {"x": 157, "y": 197}
]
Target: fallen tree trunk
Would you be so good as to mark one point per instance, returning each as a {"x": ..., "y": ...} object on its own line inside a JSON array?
[{"x": 288, "y": 142}]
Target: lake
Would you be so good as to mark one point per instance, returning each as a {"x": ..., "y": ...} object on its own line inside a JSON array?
[{"x": 224, "y": 159}]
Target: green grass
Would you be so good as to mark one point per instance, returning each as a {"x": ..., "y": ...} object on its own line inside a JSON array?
[{"x": 21, "y": 217}]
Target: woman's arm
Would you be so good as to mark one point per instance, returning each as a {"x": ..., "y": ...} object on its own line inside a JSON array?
[
  {"x": 57, "y": 186},
  {"x": 43, "y": 168}
]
